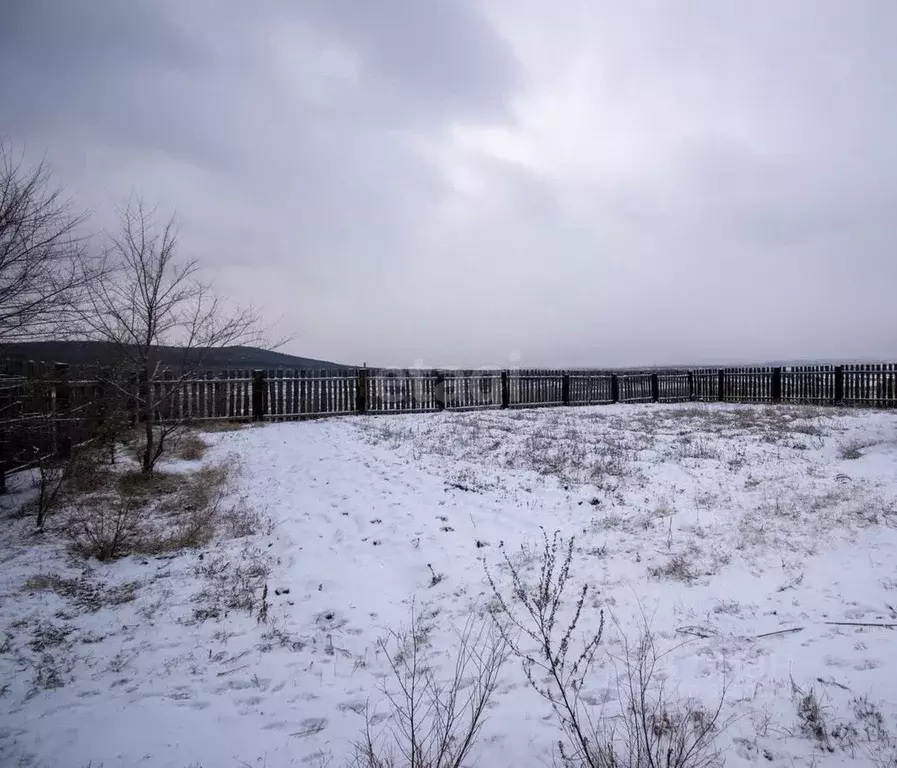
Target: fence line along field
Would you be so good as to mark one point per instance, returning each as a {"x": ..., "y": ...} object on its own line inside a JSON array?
[{"x": 44, "y": 404}]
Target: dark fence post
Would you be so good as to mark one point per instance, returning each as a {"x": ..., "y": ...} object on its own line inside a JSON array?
[
  {"x": 655, "y": 387},
  {"x": 258, "y": 394},
  {"x": 361, "y": 391},
  {"x": 691, "y": 385},
  {"x": 505, "y": 390},
  {"x": 839, "y": 384},
  {"x": 565, "y": 389},
  {"x": 776, "y": 385},
  {"x": 439, "y": 391},
  {"x": 614, "y": 388},
  {"x": 721, "y": 384},
  {"x": 63, "y": 410}
]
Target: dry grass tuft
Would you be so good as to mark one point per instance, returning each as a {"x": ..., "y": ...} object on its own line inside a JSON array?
[
  {"x": 851, "y": 450},
  {"x": 214, "y": 426},
  {"x": 137, "y": 484},
  {"x": 679, "y": 567},
  {"x": 158, "y": 513},
  {"x": 82, "y": 592},
  {"x": 188, "y": 446},
  {"x": 232, "y": 584}
]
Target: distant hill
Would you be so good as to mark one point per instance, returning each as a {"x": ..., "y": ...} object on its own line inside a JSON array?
[{"x": 90, "y": 354}]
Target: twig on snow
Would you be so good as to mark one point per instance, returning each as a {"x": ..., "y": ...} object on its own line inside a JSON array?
[
  {"x": 861, "y": 624},
  {"x": 779, "y": 632},
  {"x": 702, "y": 632}
]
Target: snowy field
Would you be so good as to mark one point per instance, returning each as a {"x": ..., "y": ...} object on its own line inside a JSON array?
[{"x": 758, "y": 545}]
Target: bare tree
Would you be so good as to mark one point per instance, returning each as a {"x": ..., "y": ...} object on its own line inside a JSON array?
[
  {"x": 145, "y": 298},
  {"x": 435, "y": 722},
  {"x": 42, "y": 272},
  {"x": 651, "y": 729}
]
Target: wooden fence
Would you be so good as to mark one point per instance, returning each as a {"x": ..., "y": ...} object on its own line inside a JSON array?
[{"x": 45, "y": 410}]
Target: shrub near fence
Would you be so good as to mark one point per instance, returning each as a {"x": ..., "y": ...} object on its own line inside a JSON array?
[{"x": 43, "y": 409}]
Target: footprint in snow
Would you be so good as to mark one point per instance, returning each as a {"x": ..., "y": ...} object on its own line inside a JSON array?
[
  {"x": 277, "y": 725},
  {"x": 310, "y": 726},
  {"x": 330, "y": 620}
]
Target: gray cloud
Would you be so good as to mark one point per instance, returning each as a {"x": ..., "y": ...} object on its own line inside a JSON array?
[{"x": 461, "y": 182}]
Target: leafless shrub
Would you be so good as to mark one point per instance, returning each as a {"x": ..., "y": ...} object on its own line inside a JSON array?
[
  {"x": 651, "y": 730},
  {"x": 434, "y": 723},
  {"x": 534, "y": 618},
  {"x": 105, "y": 528}
]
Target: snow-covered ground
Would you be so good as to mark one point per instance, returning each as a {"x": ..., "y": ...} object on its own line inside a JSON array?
[{"x": 740, "y": 535}]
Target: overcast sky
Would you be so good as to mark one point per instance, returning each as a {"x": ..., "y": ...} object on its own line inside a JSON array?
[{"x": 494, "y": 182}]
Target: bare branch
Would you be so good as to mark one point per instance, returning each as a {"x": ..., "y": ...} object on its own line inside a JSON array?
[{"x": 43, "y": 269}]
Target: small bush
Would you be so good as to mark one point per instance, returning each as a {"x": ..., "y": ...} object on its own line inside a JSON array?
[
  {"x": 105, "y": 528},
  {"x": 651, "y": 730},
  {"x": 557, "y": 669}
]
